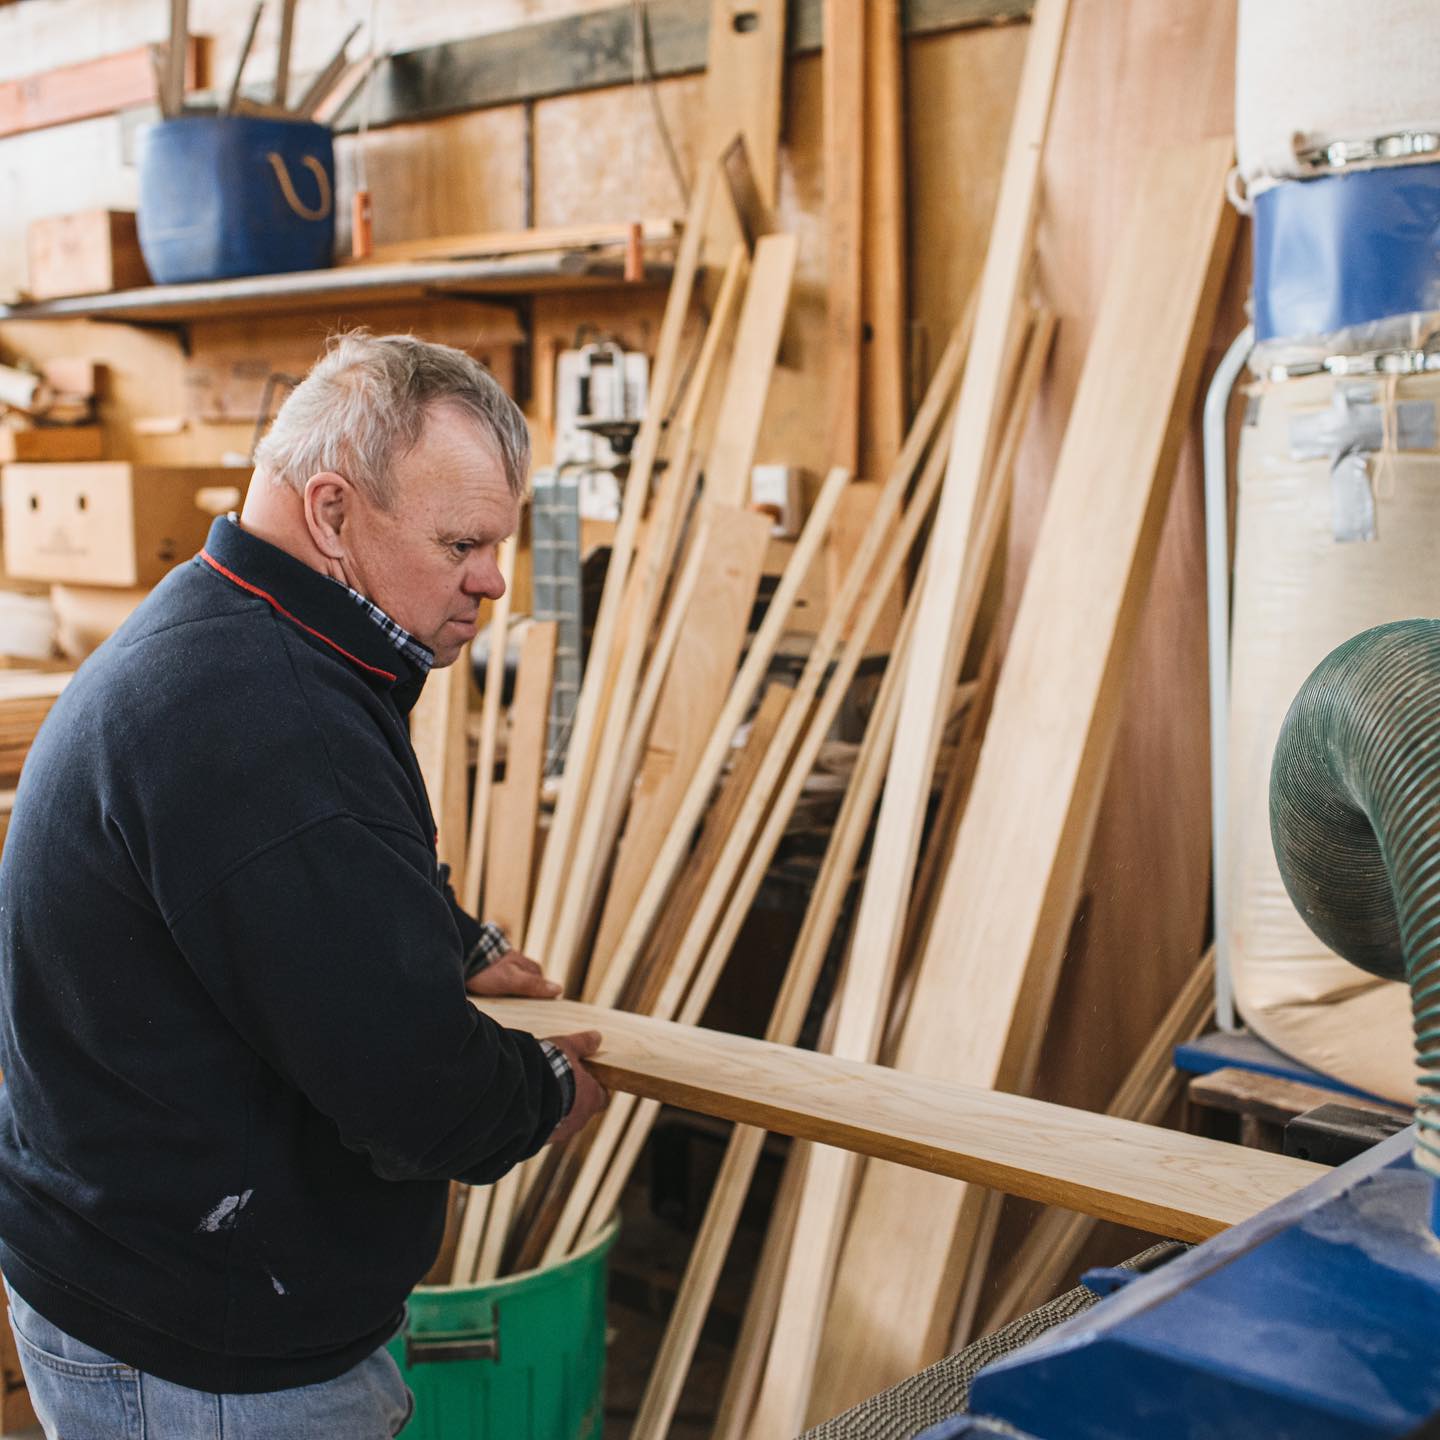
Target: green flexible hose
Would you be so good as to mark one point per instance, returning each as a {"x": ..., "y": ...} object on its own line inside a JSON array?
[{"x": 1355, "y": 820}]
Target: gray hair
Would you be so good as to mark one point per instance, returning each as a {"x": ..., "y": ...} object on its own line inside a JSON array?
[{"x": 365, "y": 404}]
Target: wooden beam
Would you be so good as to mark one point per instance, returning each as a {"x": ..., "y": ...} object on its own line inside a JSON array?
[
  {"x": 843, "y": 143},
  {"x": 94, "y": 87},
  {"x": 744, "y": 70},
  {"x": 1161, "y": 1181},
  {"x": 521, "y": 242},
  {"x": 1006, "y": 905},
  {"x": 935, "y": 661},
  {"x": 510, "y": 861},
  {"x": 747, "y": 388},
  {"x": 281, "y": 89},
  {"x": 438, "y": 733},
  {"x": 884, "y": 261}
]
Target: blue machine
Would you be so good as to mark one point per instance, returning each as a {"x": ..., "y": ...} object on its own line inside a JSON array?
[{"x": 1318, "y": 1319}]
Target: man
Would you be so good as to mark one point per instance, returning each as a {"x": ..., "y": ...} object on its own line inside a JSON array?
[{"x": 240, "y": 1064}]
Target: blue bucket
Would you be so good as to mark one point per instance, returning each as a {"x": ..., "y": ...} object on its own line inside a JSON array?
[{"x": 228, "y": 195}]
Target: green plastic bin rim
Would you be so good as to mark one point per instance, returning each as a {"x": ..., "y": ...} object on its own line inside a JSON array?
[{"x": 542, "y": 1276}]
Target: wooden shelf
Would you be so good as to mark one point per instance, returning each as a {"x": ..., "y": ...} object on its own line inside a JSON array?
[{"x": 495, "y": 276}]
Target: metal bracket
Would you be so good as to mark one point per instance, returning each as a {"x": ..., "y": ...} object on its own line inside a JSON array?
[{"x": 1339, "y": 154}]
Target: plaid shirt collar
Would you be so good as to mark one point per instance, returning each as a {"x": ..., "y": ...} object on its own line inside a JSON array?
[{"x": 422, "y": 657}]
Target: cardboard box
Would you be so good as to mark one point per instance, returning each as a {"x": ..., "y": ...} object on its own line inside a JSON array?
[
  {"x": 49, "y": 442},
  {"x": 110, "y": 523},
  {"x": 89, "y": 253}
]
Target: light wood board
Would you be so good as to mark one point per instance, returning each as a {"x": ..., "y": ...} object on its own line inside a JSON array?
[
  {"x": 510, "y": 861},
  {"x": 845, "y": 150},
  {"x": 1163, "y": 1181},
  {"x": 1005, "y": 908}
]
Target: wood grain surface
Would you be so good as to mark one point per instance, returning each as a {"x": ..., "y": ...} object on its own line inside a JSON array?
[{"x": 1161, "y": 1180}]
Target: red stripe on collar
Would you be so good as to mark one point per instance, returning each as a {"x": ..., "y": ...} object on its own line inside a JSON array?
[{"x": 270, "y": 600}]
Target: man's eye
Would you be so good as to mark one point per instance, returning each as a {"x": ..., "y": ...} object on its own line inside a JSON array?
[{"x": 462, "y": 547}]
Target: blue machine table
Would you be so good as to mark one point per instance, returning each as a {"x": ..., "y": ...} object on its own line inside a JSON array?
[{"x": 1317, "y": 1319}]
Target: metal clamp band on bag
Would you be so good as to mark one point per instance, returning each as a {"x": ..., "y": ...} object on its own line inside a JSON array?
[
  {"x": 1372, "y": 362},
  {"x": 442, "y": 1348},
  {"x": 287, "y": 187},
  {"x": 1337, "y": 154}
]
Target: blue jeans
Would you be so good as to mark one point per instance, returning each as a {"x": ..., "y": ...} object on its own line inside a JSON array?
[{"x": 81, "y": 1394}]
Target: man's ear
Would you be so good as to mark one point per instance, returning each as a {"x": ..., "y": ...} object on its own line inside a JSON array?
[{"x": 328, "y": 500}]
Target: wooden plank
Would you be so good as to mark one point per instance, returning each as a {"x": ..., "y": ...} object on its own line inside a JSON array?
[
  {"x": 521, "y": 242},
  {"x": 743, "y": 1380},
  {"x": 233, "y": 93},
  {"x": 1007, "y": 901},
  {"x": 49, "y": 442},
  {"x": 935, "y": 662},
  {"x": 281, "y": 89},
  {"x": 863, "y": 1004},
  {"x": 1271, "y": 1099},
  {"x": 175, "y": 56},
  {"x": 844, "y": 143},
  {"x": 884, "y": 382},
  {"x": 93, "y": 87},
  {"x": 589, "y": 715},
  {"x": 745, "y": 66},
  {"x": 1152, "y": 1085},
  {"x": 472, "y": 1227},
  {"x": 747, "y": 388},
  {"x": 755, "y": 216},
  {"x": 707, "y": 648},
  {"x": 473, "y": 869},
  {"x": 438, "y": 733},
  {"x": 1162, "y": 1181},
  {"x": 510, "y": 862}
]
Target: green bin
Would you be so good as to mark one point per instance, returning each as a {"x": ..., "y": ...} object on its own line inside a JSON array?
[{"x": 521, "y": 1358}]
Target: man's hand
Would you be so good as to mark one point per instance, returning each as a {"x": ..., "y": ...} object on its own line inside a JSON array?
[
  {"x": 590, "y": 1096},
  {"x": 512, "y": 974}
]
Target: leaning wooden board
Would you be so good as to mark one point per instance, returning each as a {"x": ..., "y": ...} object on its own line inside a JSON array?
[
  {"x": 1005, "y": 908},
  {"x": 1157, "y": 1180}
]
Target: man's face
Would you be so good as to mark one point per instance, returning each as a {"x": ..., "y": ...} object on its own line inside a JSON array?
[{"x": 433, "y": 557}]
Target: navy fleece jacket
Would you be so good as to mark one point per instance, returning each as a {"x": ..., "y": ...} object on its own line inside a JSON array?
[{"x": 240, "y": 1066}]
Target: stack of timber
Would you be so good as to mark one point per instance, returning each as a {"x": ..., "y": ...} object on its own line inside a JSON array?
[
  {"x": 25, "y": 700},
  {"x": 966, "y": 808}
]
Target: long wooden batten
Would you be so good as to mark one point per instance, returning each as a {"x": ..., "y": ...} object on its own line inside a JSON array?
[{"x": 1162, "y": 1181}]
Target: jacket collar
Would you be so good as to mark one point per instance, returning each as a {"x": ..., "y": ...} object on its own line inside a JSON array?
[{"x": 313, "y": 603}]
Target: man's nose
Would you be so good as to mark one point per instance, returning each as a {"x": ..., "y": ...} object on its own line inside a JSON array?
[{"x": 483, "y": 577}]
